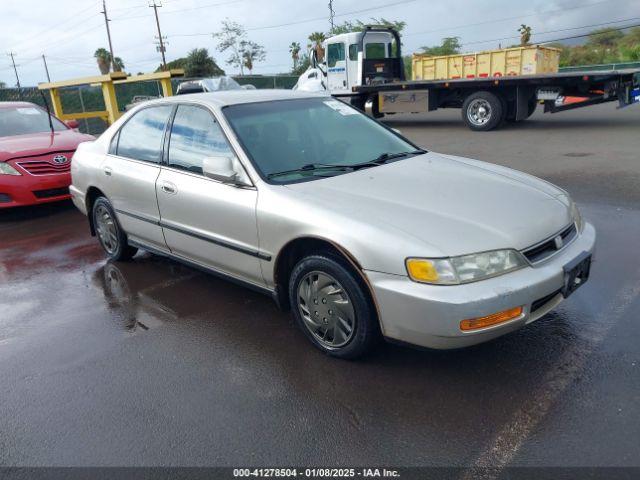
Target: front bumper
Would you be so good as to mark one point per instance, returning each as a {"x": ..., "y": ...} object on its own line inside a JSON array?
[
  {"x": 23, "y": 190},
  {"x": 430, "y": 315}
]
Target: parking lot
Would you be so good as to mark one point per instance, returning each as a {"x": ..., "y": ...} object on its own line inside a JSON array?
[{"x": 153, "y": 363}]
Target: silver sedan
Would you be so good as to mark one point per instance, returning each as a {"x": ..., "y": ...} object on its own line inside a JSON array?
[{"x": 358, "y": 231}]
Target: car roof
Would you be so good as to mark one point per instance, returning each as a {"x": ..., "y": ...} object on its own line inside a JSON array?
[
  {"x": 17, "y": 104},
  {"x": 224, "y": 98}
]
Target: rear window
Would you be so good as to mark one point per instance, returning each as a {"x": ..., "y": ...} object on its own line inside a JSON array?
[
  {"x": 25, "y": 120},
  {"x": 375, "y": 51}
]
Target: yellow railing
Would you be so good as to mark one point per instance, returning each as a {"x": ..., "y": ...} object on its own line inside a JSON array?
[{"x": 107, "y": 84}]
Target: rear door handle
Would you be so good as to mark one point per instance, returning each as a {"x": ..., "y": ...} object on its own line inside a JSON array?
[
  {"x": 169, "y": 188},
  {"x": 107, "y": 171}
]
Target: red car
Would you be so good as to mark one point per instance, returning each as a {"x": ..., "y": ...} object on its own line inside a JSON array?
[{"x": 35, "y": 155}]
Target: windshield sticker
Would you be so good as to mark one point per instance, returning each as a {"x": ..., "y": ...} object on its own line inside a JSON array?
[
  {"x": 28, "y": 111},
  {"x": 341, "y": 108}
]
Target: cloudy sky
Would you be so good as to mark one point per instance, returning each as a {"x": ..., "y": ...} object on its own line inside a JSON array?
[{"x": 69, "y": 31}]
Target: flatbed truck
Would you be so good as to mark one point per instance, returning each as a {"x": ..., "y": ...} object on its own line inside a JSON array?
[{"x": 366, "y": 70}]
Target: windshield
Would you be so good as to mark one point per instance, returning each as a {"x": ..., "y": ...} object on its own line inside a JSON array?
[
  {"x": 286, "y": 135},
  {"x": 25, "y": 120}
]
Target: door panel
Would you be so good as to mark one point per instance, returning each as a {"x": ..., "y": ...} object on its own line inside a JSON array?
[
  {"x": 210, "y": 223},
  {"x": 130, "y": 172},
  {"x": 131, "y": 188},
  {"x": 337, "y": 68},
  {"x": 206, "y": 221}
]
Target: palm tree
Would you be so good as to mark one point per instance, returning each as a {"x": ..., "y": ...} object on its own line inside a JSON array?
[
  {"x": 316, "y": 39},
  {"x": 294, "y": 50},
  {"x": 103, "y": 57},
  {"x": 525, "y": 34},
  {"x": 118, "y": 64}
]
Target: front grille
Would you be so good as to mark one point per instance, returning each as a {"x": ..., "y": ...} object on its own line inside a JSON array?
[
  {"x": 45, "y": 166},
  {"x": 51, "y": 192},
  {"x": 550, "y": 246},
  {"x": 541, "y": 302}
]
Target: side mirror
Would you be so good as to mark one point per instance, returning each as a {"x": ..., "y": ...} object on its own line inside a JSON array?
[
  {"x": 313, "y": 58},
  {"x": 222, "y": 168},
  {"x": 72, "y": 123}
]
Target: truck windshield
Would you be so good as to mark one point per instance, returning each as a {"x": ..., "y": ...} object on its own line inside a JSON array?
[
  {"x": 285, "y": 138},
  {"x": 26, "y": 120}
]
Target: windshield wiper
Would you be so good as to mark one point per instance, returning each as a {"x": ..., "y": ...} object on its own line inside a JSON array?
[
  {"x": 379, "y": 160},
  {"x": 310, "y": 167}
]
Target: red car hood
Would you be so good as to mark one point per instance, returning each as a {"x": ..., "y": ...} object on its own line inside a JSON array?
[{"x": 40, "y": 143}]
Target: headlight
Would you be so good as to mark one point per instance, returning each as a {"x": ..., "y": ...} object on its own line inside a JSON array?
[
  {"x": 6, "y": 169},
  {"x": 465, "y": 268},
  {"x": 576, "y": 216}
]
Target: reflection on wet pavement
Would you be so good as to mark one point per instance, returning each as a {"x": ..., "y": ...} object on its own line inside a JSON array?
[{"x": 184, "y": 368}]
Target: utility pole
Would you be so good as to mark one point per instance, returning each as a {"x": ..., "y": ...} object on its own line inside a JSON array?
[
  {"x": 46, "y": 69},
  {"x": 331, "y": 16},
  {"x": 162, "y": 48},
  {"x": 106, "y": 22},
  {"x": 13, "y": 62}
]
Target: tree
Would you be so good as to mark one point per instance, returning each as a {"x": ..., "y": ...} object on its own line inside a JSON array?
[
  {"x": 525, "y": 34},
  {"x": 449, "y": 46},
  {"x": 303, "y": 64},
  {"x": 231, "y": 36},
  {"x": 198, "y": 63},
  {"x": 316, "y": 39},
  {"x": 3, "y": 84},
  {"x": 294, "y": 50},
  {"x": 251, "y": 53},
  {"x": 103, "y": 57}
]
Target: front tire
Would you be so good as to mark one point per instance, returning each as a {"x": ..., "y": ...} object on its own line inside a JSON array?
[
  {"x": 331, "y": 306},
  {"x": 483, "y": 111},
  {"x": 110, "y": 235}
]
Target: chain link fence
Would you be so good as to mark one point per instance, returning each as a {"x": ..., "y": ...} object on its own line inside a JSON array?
[{"x": 87, "y": 98}]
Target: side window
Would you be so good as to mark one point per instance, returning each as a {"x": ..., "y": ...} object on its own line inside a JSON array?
[
  {"x": 141, "y": 136},
  {"x": 353, "y": 51},
  {"x": 335, "y": 53},
  {"x": 195, "y": 135}
]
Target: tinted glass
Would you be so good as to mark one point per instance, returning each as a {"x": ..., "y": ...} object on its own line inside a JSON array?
[
  {"x": 141, "y": 136},
  {"x": 374, "y": 50},
  {"x": 25, "y": 120},
  {"x": 195, "y": 135},
  {"x": 335, "y": 53},
  {"x": 353, "y": 51},
  {"x": 288, "y": 134}
]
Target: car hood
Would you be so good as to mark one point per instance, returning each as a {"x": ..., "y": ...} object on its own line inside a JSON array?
[
  {"x": 39, "y": 143},
  {"x": 453, "y": 206}
]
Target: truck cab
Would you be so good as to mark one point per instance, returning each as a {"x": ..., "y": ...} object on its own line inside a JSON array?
[{"x": 353, "y": 59}]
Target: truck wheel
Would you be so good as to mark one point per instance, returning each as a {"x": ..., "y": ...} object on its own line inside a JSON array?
[
  {"x": 482, "y": 111},
  {"x": 371, "y": 107},
  {"x": 332, "y": 308}
]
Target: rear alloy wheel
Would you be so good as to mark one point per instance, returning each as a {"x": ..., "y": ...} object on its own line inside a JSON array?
[
  {"x": 110, "y": 235},
  {"x": 331, "y": 306},
  {"x": 482, "y": 111}
]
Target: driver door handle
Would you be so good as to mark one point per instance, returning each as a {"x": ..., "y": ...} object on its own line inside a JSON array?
[
  {"x": 169, "y": 188},
  {"x": 107, "y": 171}
]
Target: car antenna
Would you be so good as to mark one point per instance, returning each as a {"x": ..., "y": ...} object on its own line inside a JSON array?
[{"x": 46, "y": 105}]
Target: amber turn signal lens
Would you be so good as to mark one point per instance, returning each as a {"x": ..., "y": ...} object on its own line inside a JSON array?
[{"x": 489, "y": 320}]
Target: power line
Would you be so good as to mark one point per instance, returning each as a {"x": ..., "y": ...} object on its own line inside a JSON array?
[
  {"x": 563, "y": 30},
  {"x": 517, "y": 17},
  {"x": 308, "y": 20}
]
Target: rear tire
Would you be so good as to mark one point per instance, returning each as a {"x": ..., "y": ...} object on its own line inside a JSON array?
[
  {"x": 332, "y": 308},
  {"x": 483, "y": 111},
  {"x": 110, "y": 235}
]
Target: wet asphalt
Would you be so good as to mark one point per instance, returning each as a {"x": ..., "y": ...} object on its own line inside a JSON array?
[{"x": 153, "y": 363}]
